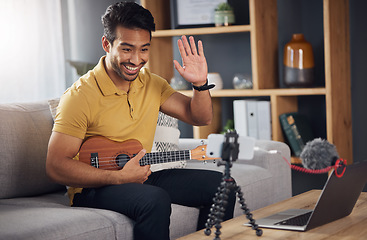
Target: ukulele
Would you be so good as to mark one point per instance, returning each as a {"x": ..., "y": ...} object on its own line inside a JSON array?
[{"x": 103, "y": 153}]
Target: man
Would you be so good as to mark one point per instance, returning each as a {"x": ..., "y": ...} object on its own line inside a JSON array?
[{"x": 120, "y": 100}]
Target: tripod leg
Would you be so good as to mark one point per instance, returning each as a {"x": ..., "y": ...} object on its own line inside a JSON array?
[
  {"x": 217, "y": 211},
  {"x": 247, "y": 211},
  {"x": 213, "y": 213}
]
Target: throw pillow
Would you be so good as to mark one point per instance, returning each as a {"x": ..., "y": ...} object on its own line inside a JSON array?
[
  {"x": 166, "y": 139},
  {"x": 52, "y": 104}
]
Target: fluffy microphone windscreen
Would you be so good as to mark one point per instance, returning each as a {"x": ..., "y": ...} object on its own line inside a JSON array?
[{"x": 318, "y": 154}]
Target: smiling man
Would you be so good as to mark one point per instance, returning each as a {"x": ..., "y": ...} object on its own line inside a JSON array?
[{"x": 120, "y": 100}]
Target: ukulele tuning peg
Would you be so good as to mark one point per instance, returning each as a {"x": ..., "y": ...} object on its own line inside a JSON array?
[
  {"x": 202, "y": 142},
  {"x": 205, "y": 162}
]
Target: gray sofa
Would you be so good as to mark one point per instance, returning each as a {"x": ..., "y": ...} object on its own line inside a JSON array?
[{"x": 33, "y": 207}]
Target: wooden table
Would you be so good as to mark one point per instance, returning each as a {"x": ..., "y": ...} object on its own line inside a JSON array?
[{"x": 353, "y": 226}]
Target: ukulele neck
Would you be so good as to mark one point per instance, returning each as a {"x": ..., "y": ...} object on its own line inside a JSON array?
[{"x": 164, "y": 157}]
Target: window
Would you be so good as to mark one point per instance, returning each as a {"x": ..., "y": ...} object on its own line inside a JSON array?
[{"x": 32, "y": 63}]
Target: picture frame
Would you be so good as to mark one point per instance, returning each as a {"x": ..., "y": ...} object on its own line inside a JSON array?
[{"x": 193, "y": 13}]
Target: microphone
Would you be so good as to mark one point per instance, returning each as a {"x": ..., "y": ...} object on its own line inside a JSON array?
[{"x": 319, "y": 154}]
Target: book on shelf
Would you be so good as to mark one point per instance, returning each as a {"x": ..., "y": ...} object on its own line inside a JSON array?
[
  {"x": 297, "y": 131},
  {"x": 252, "y": 118}
]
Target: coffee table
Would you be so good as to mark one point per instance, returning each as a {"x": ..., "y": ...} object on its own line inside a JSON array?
[{"x": 353, "y": 226}]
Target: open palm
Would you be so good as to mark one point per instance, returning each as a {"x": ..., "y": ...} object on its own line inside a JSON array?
[{"x": 194, "y": 68}]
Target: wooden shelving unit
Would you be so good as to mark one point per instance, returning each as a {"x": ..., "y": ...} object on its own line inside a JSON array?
[
  {"x": 264, "y": 54},
  {"x": 202, "y": 31},
  {"x": 263, "y": 92}
]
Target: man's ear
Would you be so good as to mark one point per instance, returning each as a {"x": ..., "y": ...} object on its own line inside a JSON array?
[{"x": 106, "y": 44}]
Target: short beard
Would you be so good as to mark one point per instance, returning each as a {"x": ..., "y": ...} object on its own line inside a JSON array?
[{"x": 117, "y": 70}]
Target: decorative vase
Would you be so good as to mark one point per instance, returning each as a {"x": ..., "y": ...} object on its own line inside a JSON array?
[
  {"x": 298, "y": 62},
  {"x": 215, "y": 78},
  {"x": 224, "y": 18}
]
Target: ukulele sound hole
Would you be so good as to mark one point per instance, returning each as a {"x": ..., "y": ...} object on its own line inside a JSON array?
[{"x": 122, "y": 159}]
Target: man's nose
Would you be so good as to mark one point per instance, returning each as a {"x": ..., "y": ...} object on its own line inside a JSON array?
[{"x": 135, "y": 58}]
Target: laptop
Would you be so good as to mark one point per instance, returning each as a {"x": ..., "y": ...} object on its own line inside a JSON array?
[{"x": 336, "y": 201}]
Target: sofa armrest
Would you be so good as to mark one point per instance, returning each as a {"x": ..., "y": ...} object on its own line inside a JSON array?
[
  {"x": 276, "y": 165},
  {"x": 262, "y": 153}
]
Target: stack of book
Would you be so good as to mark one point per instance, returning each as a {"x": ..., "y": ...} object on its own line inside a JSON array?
[
  {"x": 297, "y": 131},
  {"x": 252, "y": 118}
]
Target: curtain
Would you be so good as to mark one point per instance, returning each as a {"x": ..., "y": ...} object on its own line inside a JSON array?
[{"x": 32, "y": 63}]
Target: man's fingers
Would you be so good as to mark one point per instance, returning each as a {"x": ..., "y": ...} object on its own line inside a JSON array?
[
  {"x": 201, "y": 48},
  {"x": 186, "y": 45},
  {"x": 178, "y": 67},
  {"x": 181, "y": 48},
  {"x": 193, "y": 45},
  {"x": 140, "y": 155}
]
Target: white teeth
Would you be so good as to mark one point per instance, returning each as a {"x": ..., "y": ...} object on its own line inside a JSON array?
[{"x": 131, "y": 68}]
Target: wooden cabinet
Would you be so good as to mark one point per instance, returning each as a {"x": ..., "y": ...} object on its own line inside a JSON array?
[{"x": 264, "y": 54}]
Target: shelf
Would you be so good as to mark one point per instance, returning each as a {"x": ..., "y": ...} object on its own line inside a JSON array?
[
  {"x": 263, "y": 33},
  {"x": 262, "y": 92},
  {"x": 201, "y": 31}
]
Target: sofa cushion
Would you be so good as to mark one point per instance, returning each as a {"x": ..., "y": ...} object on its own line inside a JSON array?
[
  {"x": 54, "y": 200},
  {"x": 55, "y": 210},
  {"x": 20, "y": 222},
  {"x": 24, "y": 133},
  {"x": 184, "y": 220}
]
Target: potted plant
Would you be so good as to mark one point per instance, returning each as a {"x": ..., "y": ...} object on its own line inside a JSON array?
[{"x": 224, "y": 15}]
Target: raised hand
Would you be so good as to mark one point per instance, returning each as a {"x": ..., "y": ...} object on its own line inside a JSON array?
[{"x": 194, "y": 68}]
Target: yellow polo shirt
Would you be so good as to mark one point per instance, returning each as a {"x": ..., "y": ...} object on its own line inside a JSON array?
[{"x": 94, "y": 106}]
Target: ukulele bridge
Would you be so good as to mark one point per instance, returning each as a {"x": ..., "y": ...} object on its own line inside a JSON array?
[{"x": 94, "y": 160}]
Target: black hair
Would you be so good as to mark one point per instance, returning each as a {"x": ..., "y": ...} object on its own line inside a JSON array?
[{"x": 126, "y": 14}]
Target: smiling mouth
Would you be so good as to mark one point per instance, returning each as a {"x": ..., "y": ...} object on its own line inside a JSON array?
[{"x": 129, "y": 70}]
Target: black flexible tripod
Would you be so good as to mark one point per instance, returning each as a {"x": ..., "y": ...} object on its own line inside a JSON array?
[{"x": 230, "y": 152}]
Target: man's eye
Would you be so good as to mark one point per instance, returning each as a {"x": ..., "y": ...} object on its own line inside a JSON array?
[
  {"x": 145, "y": 49},
  {"x": 126, "y": 49}
]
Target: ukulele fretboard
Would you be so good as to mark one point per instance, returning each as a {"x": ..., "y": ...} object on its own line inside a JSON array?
[{"x": 164, "y": 157}]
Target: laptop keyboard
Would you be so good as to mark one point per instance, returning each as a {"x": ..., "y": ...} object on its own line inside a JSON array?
[{"x": 300, "y": 220}]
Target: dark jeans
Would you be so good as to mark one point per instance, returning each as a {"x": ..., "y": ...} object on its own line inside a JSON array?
[{"x": 149, "y": 204}]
